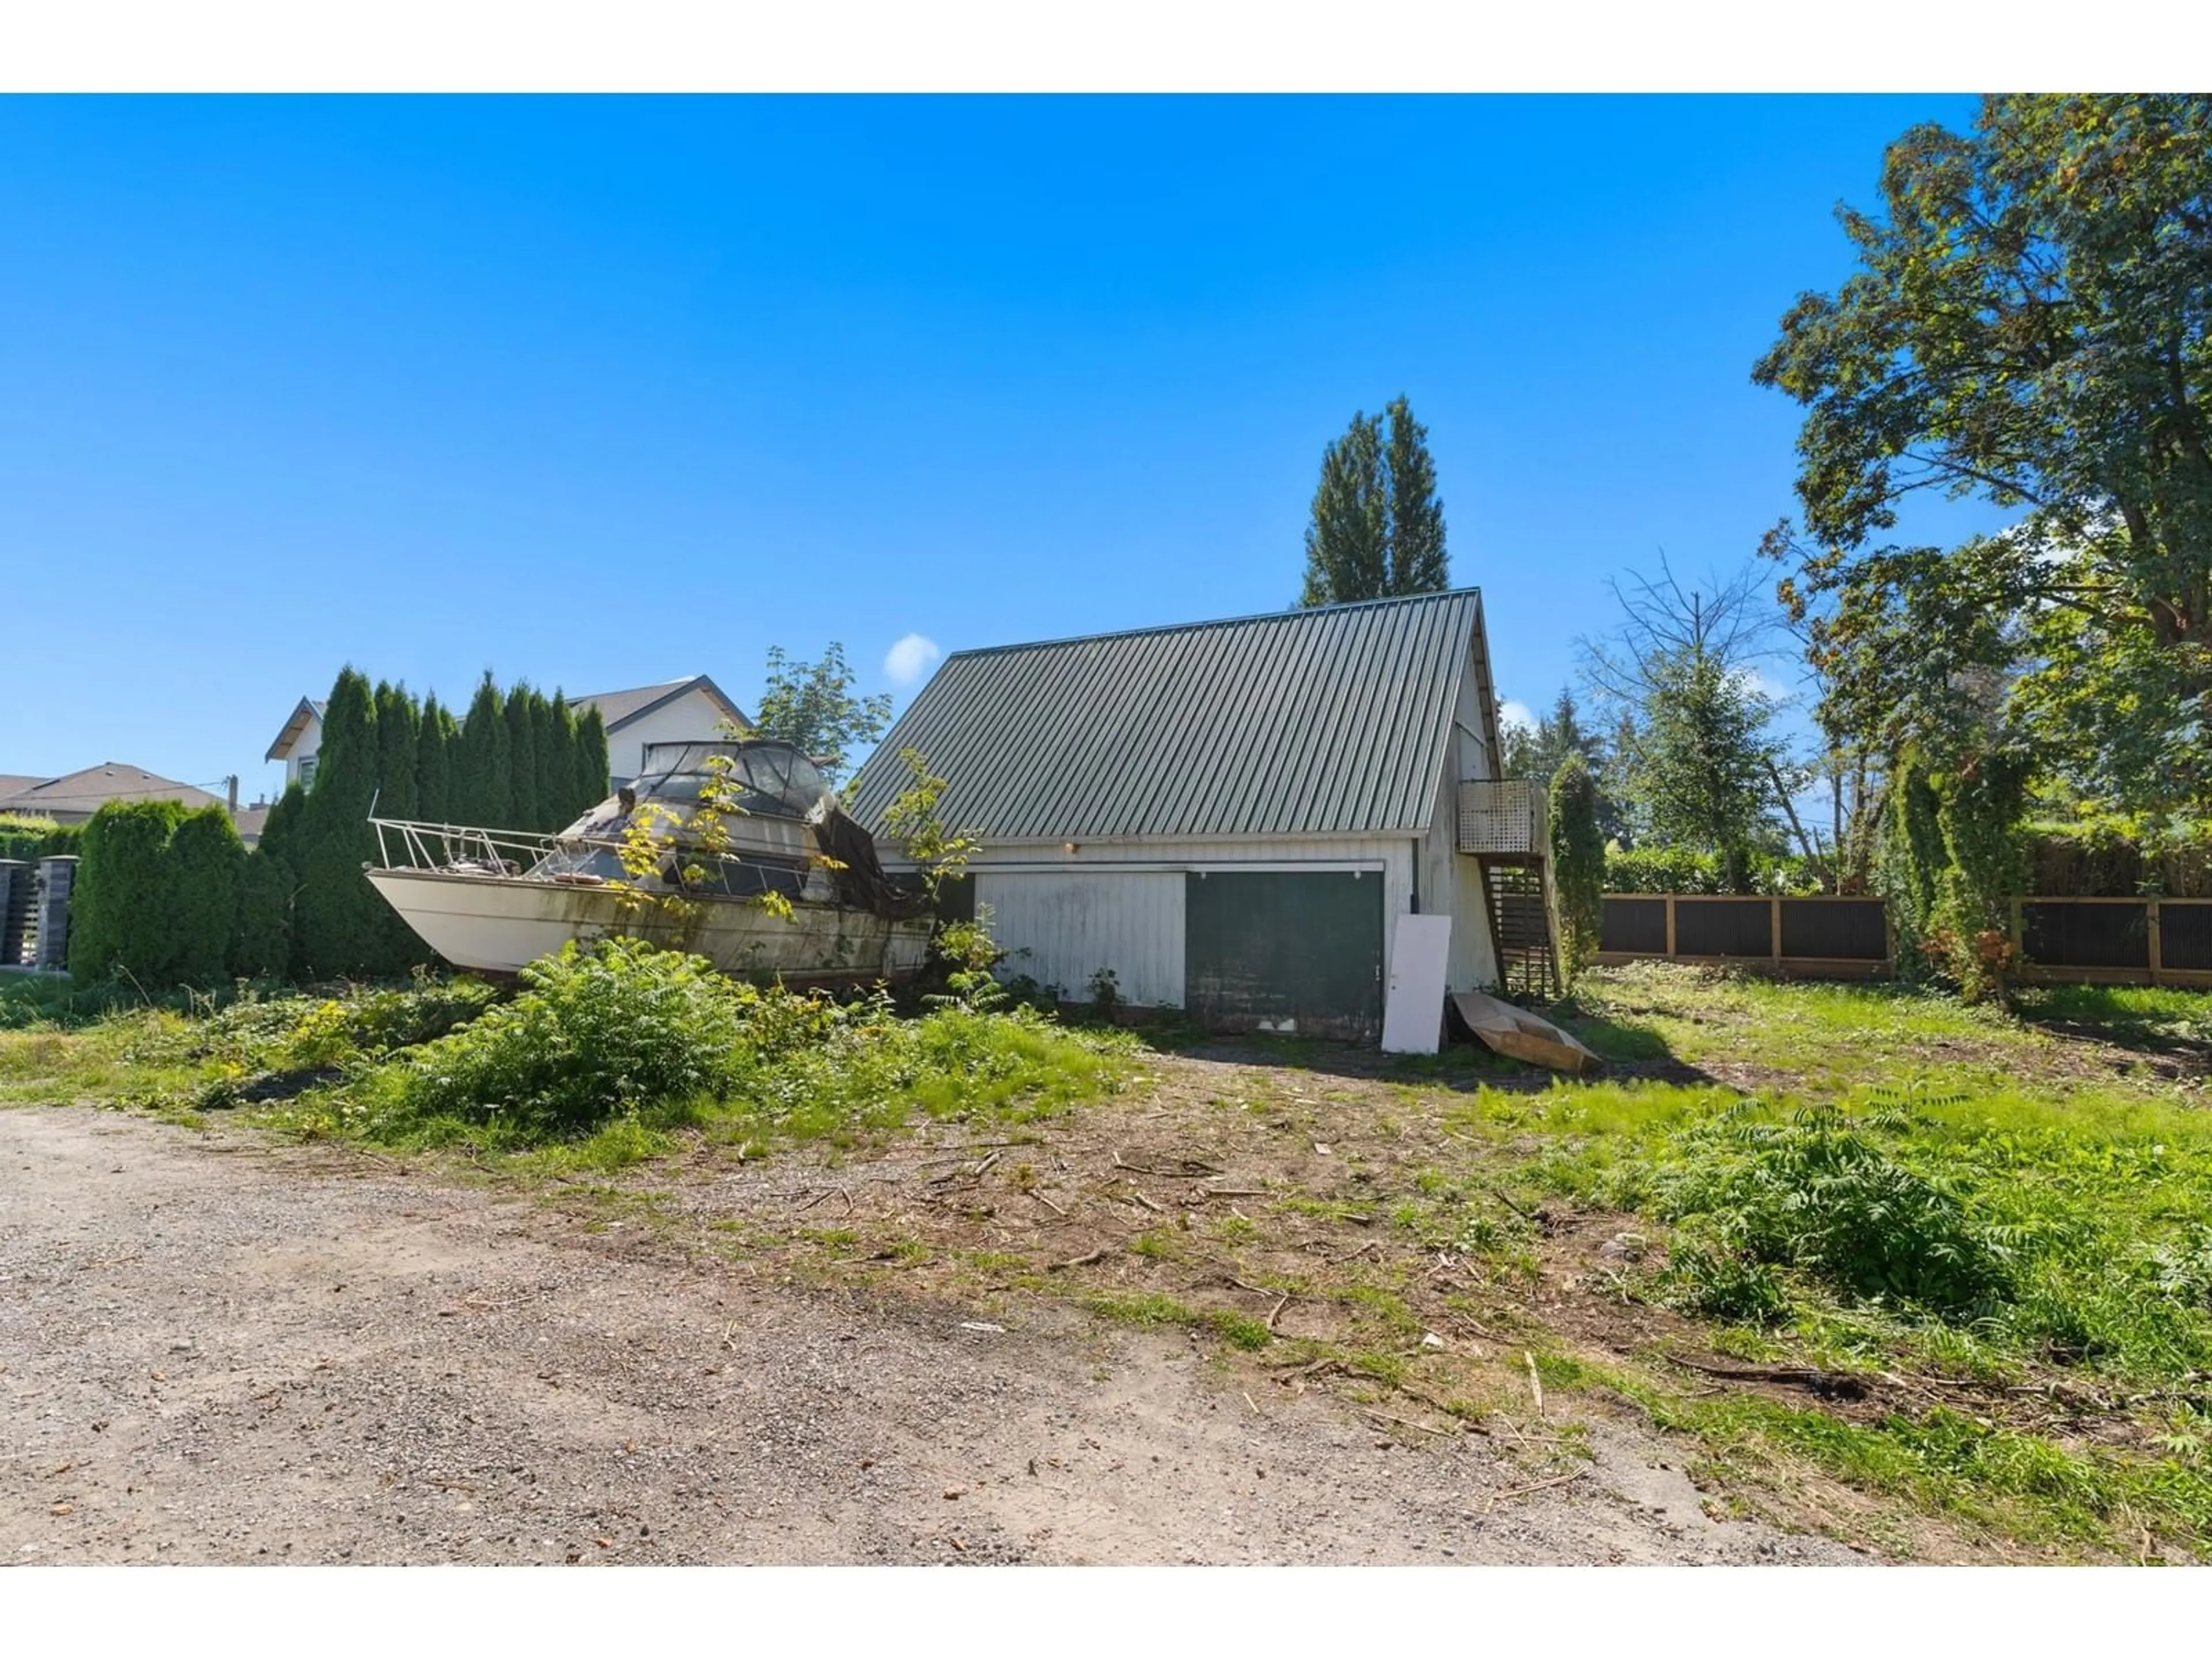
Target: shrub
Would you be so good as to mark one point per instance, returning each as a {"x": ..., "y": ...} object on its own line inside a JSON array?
[
  {"x": 1577, "y": 862},
  {"x": 120, "y": 908},
  {"x": 203, "y": 865},
  {"x": 598, "y": 1030},
  {"x": 27, "y": 837}
]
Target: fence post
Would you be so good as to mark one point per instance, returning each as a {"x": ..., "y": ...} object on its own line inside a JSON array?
[
  {"x": 1670, "y": 926},
  {"x": 2157, "y": 966},
  {"x": 1774, "y": 932}
]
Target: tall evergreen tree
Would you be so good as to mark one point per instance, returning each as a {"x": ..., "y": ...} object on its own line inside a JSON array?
[
  {"x": 561, "y": 805},
  {"x": 261, "y": 946},
  {"x": 1417, "y": 564},
  {"x": 1347, "y": 543},
  {"x": 434, "y": 763},
  {"x": 522, "y": 758},
  {"x": 336, "y": 918},
  {"x": 206, "y": 868},
  {"x": 593, "y": 778},
  {"x": 483, "y": 792},
  {"x": 398, "y": 739},
  {"x": 1378, "y": 529},
  {"x": 552, "y": 788}
]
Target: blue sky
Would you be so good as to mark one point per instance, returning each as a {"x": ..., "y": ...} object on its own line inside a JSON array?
[{"x": 601, "y": 392}]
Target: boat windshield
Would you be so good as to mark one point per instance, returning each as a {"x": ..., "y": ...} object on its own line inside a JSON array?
[{"x": 772, "y": 780}]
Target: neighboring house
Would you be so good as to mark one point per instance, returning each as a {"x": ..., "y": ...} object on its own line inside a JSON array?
[
  {"x": 76, "y": 797},
  {"x": 1230, "y": 817},
  {"x": 691, "y": 710},
  {"x": 299, "y": 742},
  {"x": 12, "y": 781}
]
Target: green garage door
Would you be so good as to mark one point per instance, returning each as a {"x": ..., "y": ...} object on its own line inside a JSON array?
[{"x": 1292, "y": 952}]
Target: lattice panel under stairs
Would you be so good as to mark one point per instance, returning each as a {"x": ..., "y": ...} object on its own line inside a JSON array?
[{"x": 1521, "y": 926}]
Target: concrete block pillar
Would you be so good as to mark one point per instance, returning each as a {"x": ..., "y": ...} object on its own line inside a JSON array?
[
  {"x": 16, "y": 878},
  {"x": 56, "y": 876}
]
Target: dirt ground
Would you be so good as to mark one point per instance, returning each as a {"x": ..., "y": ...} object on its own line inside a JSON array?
[{"x": 214, "y": 1348}]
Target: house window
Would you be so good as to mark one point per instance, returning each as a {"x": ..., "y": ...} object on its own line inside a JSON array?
[{"x": 308, "y": 770}]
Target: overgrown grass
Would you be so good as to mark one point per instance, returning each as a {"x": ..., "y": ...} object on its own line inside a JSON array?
[{"x": 1918, "y": 1187}]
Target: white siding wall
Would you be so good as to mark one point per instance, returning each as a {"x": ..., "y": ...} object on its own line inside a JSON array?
[
  {"x": 1121, "y": 905},
  {"x": 1072, "y": 925},
  {"x": 305, "y": 747},
  {"x": 694, "y": 717},
  {"x": 1451, "y": 883}
]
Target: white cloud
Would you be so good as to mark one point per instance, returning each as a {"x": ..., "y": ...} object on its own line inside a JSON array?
[
  {"x": 1511, "y": 713},
  {"x": 910, "y": 659},
  {"x": 1757, "y": 680}
]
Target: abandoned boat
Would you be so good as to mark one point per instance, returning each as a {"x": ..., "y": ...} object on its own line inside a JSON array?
[{"x": 768, "y": 878}]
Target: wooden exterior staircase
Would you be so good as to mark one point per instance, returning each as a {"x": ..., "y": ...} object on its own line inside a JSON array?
[{"x": 1502, "y": 826}]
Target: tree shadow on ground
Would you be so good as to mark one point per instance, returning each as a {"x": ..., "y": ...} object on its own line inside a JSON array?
[
  {"x": 1629, "y": 1049},
  {"x": 2170, "y": 1027}
]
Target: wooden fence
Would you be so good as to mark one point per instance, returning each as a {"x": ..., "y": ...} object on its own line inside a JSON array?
[{"x": 2094, "y": 940}]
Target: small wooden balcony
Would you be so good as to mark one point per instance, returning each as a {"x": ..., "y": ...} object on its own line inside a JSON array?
[{"x": 1501, "y": 821}]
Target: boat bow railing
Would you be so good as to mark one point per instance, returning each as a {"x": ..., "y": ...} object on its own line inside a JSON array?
[{"x": 412, "y": 844}]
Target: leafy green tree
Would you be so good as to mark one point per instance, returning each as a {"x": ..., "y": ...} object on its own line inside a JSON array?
[
  {"x": 2030, "y": 322},
  {"x": 1699, "y": 768},
  {"x": 483, "y": 787},
  {"x": 1378, "y": 529},
  {"x": 1578, "y": 855},
  {"x": 811, "y": 706}
]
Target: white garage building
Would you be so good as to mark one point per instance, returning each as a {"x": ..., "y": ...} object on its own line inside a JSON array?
[{"x": 1230, "y": 817}]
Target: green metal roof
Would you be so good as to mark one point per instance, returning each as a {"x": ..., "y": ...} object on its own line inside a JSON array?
[{"x": 1327, "y": 721}]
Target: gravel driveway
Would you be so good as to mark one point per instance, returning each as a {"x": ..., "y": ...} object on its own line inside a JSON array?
[{"x": 215, "y": 1349}]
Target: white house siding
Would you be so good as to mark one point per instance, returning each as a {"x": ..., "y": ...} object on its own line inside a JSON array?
[
  {"x": 1451, "y": 883},
  {"x": 1121, "y": 905},
  {"x": 1073, "y": 926},
  {"x": 694, "y": 717},
  {"x": 299, "y": 764}
]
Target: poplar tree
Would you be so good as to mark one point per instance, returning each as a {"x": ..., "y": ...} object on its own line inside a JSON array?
[{"x": 1378, "y": 529}]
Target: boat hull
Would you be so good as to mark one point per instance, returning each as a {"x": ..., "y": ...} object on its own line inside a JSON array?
[{"x": 497, "y": 924}]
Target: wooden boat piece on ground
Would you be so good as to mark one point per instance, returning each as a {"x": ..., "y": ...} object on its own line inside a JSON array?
[{"x": 1519, "y": 1035}]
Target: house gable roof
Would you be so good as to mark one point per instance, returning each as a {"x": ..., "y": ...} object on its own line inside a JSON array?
[
  {"x": 618, "y": 708},
  {"x": 10, "y": 782},
  {"x": 1325, "y": 721},
  {"x": 294, "y": 728},
  {"x": 87, "y": 791}
]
